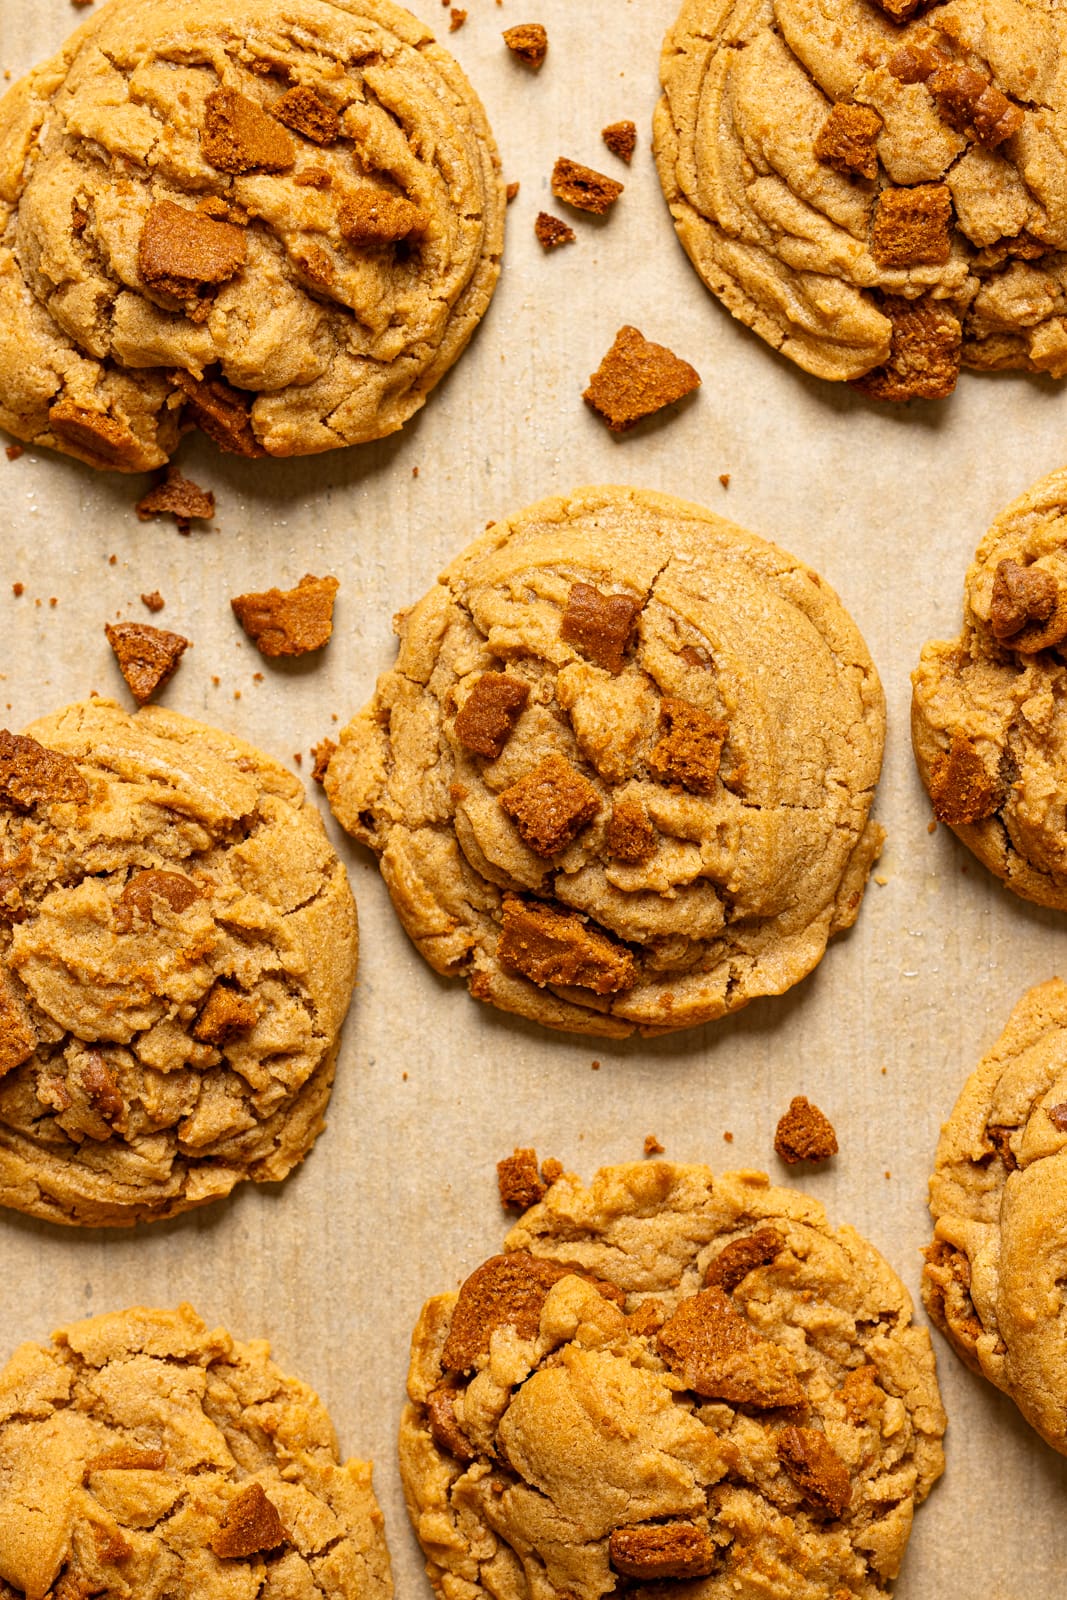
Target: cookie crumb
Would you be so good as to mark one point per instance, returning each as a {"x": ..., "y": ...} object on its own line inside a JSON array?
[
  {"x": 320, "y": 755},
  {"x": 148, "y": 657},
  {"x": 288, "y": 622},
  {"x": 656, "y": 1552},
  {"x": 551, "y": 1170},
  {"x": 653, "y": 1146},
  {"x": 13, "y": 451},
  {"x": 154, "y": 601},
  {"x": 621, "y": 139},
  {"x": 456, "y": 19},
  {"x": 584, "y": 187},
  {"x": 519, "y": 1181},
  {"x": 552, "y": 231},
  {"x": 636, "y": 379},
  {"x": 599, "y": 625},
  {"x": 728, "y": 1136},
  {"x": 804, "y": 1133},
  {"x": 724, "y": 479},
  {"x": 594, "y": 1066},
  {"x": 18, "y": 589},
  {"x": 529, "y": 42},
  {"x": 511, "y": 192},
  {"x": 178, "y": 497}
]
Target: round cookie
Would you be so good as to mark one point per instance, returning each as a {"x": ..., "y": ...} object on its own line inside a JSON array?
[
  {"x": 876, "y": 189},
  {"x": 988, "y": 724},
  {"x": 144, "y": 1454},
  {"x": 280, "y": 224},
  {"x": 671, "y": 1376},
  {"x": 993, "y": 1282},
  {"x": 621, "y": 774},
  {"x": 177, "y": 954}
]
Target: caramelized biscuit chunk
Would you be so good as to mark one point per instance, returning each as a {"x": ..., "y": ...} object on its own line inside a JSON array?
[
  {"x": 847, "y": 140},
  {"x": 289, "y": 622},
  {"x": 804, "y": 1133},
  {"x": 1020, "y": 595},
  {"x": 717, "y": 1353},
  {"x": 659, "y": 1550},
  {"x": 506, "y": 1291},
  {"x": 583, "y": 187},
  {"x": 444, "y": 1429},
  {"x": 621, "y": 139},
  {"x": 180, "y": 498},
  {"x": 551, "y": 805},
  {"x": 32, "y": 775},
  {"x": 742, "y": 1256},
  {"x": 911, "y": 227},
  {"x": 915, "y": 61},
  {"x": 599, "y": 625},
  {"x": 251, "y": 1524},
  {"x": 487, "y": 718},
  {"x": 185, "y": 256},
  {"x": 1057, "y": 1115},
  {"x": 691, "y": 748},
  {"x": 528, "y": 41},
  {"x": 148, "y": 657},
  {"x": 239, "y": 136},
  {"x": 98, "y": 1083},
  {"x": 631, "y": 836},
  {"x": 306, "y": 112},
  {"x": 860, "y": 1394},
  {"x": 140, "y": 893},
  {"x": 924, "y": 355},
  {"x": 902, "y": 10},
  {"x": 125, "y": 1459},
  {"x": 226, "y": 1014},
  {"x": 221, "y": 412},
  {"x": 961, "y": 789},
  {"x": 560, "y": 947},
  {"x": 105, "y": 439},
  {"x": 519, "y": 1180},
  {"x": 968, "y": 99},
  {"x": 551, "y": 231},
  {"x": 375, "y": 216},
  {"x": 947, "y": 1293},
  {"x": 816, "y": 1469},
  {"x": 18, "y": 1037},
  {"x": 636, "y": 379}
]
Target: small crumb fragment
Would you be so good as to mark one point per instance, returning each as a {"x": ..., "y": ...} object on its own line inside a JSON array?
[
  {"x": 520, "y": 1182},
  {"x": 552, "y": 231},
  {"x": 653, "y": 1146},
  {"x": 178, "y": 497},
  {"x": 551, "y": 1170},
  {"x": 880, "y": 879},
  {"x": 148, "y": 657},
  {"x": 931, "y": 826},
  {"x": 728, "y": 1136},
  {"x": 289, "y": 622},
  {"x": 621, "y": 139},
  {"x": 529, "y": 42},
  {"x": 594, "y": 1066},
  {"x": 584, "y": 187},
  {"x": 13, "y": 451},
  {"x": 456, "y": 19},
  {"x": 804, "y": 1133},
  {"x": 724, "y": 479},
  {"x": 320, "y": 755},
  {"x": 511, "y": 192},
  {"x": 636, "y": 379},
  {"x": 18, "y": 589}
]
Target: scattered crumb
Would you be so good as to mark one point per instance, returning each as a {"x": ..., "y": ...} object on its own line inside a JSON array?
[
  {"x": 298, "y": 757},
  {"x": 552, "y": 232},
  {"x": 18, "y": 589},
  {"x": 53, "y": 601},
  {"x": 414, "y": 472},
  {"x": 880, "y": 879},
  {"x": 215, "y": 680},
  {"x": 804, "y": 1133},
  {"x": 728, "y": 1136},
  {"x": 320, "y": 755},
  {"x": 457, "y": 19},
  {"x": 257, "y": 677},
  {"x": 551, "y": 1170},
  {"x": 889, "y": 1174},
  {"x": 596, "y": 1066},
  {"x": 237, "y": 694},
  {"x": 148, "y": 657},
  {"x": 403, "y": 1077},
  {"x": 583, "y": 187},
  {"x": 511, "y": 192},
  {"x": 13, "y": 451},
  {"x": 884, "y": 1070},
  {"x": 652, "y": 1145},
  {"x": 154, "y": 601},
  {"x": 621, "y": 139},
  {"x": 724, "y": 479},
  {"x": 289, "y": 622},
  {"x": 931, "y": 826},
  {"x": 177, "y": 497},
  {"x": 111, "y": 560},
  {"x": 519, "y": 1181},
  {"x": 637, "y": 378},
  {"x": 529, "y": 42}
]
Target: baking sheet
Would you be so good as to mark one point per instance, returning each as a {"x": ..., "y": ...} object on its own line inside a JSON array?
[{"x": 398, "y": 1200}]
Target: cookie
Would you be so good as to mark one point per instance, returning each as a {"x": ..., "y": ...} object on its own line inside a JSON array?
[
  {"x": 877, "y": 191},
  {"x": 177, "y": 953},
  {"x": 670, "y": 1376},
  {"x": 144, "y": 1454},
  {"x": 281, "y": 226},
  {"x": 987, "y": 725},
  {"x": 994, "y": 1273},
  {"x": 621, "y": 774}
]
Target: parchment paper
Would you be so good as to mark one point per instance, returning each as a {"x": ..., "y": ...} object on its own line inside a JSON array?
[{"x": 398, "y": 1200}]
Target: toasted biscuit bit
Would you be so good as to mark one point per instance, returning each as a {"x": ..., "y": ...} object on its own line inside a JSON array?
[
  {"x": 226, "y": 1014},
  {"x": 31, "y": 775},
  {"x": 520, "y": 1182},
  {"x": 621, "y": 139},
  {"x": 637, "y": 378},
  {"x": 251, "y": 1524},
  {"x": 647, "y": 1318},
  {"x": 551, "y": 231},
  {"x": 560, "y": 947},
  {"x": 176, "y": 497},
  {"x": 506, "y": 1291},
  {"x": 154, "y": 601},
  {"x": 1057, "y": 1115},
  {"x": 374, "y": 216},
  {"x": 221, "y": 412},
  {"x": 961, "y": 789},
  {"x": 551, "y": 805},
  {"x": 18, "y": 1036},
  {"x": 658, "y": 1551},
  {"x": 717, "y": 1353},
  {"x": 528, "y": 41},
  {"x": 599, "y": 625},
  {"x": 653, "y": 1146},
  {"x": 1027, "y": 611},
  {"x": 141, "y": 892},
  {"x": 512, "y": 192},
  {"x": 742, "y": 1256},
  {"x": 551, "y": 1170},
  {"x": 289, "y": 622},
  {"x": 125, "y": 1459},
  {"x": 804, "y": 1133},
  {"x": 968, "y": 99},
  {"x": 320, "y": 755},
  {"x": 911, "y": 227},
  {"x": 860, "y": 1394},
  {"x": 583, "y": 187},
  {"x": 631, "y": 836},
  {"x": 148, "y": 657},
  {"x": 239, "y": 136},
  {"x": 14, "y": 451},
  {"x": 847, "y": 140},
  {"x": 313, "y": 178},
  {"x": 456, "y": 19},
  {"x": 915, "y": 61},
  {"x": 816, "y": 1469},
  {"x": 441, "y": 1416},
  {"x": 306, "y": 112},
  {"x": 691, "y": 748},
  {"x": 924, "y": 357},
  {"x": 96, "y": 434},
  {"x": 488, "y": 716},
  {"x": 185, "y": 256},
  {"x": 999, "y": 1140}
]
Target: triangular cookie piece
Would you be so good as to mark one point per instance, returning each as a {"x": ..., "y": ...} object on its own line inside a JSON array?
[{"x": 147, "y": 656}]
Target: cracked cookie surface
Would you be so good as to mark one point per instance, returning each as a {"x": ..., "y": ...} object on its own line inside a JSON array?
[
  {"x": 282, "y": 229},
  {"x": 671, "y": 1376},
  {"x": 145, "y": 1454},
  {"x": 621, "y": 774},
  {"x": 988, "y": 723},
  {"x": 177, "y": 953},
  {"x": 880, "y": 201},
  {"x": 994, "y": 1277}
]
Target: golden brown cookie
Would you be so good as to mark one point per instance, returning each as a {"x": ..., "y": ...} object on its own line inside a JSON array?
[
  {"x": 877, "y": 189},
  {"x": 671, "y": 1376},
  {"x": 177, "y": 954},
  {"x": 994, "y": 1273},
  {"x": 281, "y": 226},
  {"x": 144, "y": 1454},
  {"x": 622, "y": 772},
  {"x": 988, "y": 724}
]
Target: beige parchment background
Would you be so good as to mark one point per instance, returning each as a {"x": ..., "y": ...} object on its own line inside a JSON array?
[{"x": 399, "y": 1199}]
